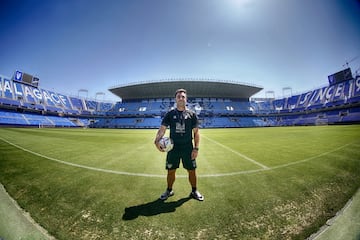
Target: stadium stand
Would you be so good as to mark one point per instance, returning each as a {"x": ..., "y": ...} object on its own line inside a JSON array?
[{"x": 219, "y": 104}]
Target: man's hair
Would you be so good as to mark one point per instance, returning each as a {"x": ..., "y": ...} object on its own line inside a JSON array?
[{"x": 180, "y": 90}]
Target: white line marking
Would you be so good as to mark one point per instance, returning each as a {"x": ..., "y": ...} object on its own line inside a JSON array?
[
  {"x": 82, "y": 166},
  {"x": 275, "y": 167},
  {"x": 178, "y": 176},
  {"x": 237, "y": 153},
  {"x": 313, "y": 157}
]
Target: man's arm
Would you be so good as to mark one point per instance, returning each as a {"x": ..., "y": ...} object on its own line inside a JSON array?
[
  {"x": 196, "y": 143},
  {"x": 160, "y": 133}
]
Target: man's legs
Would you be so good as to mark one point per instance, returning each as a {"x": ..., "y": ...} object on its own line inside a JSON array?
[
  {"x": 192, "y": 178},
  {"x": 170, "y": 181},
  {"x": 171, "y": 178},
  {"x": 193, "y": 181}
]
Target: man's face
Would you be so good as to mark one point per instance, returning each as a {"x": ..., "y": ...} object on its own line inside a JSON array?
[{"x": 181, "y": 99}]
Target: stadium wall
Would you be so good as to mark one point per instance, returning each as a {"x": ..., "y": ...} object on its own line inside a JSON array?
[{"x": 24, "y": 105}]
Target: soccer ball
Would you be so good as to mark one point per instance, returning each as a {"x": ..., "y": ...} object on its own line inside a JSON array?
[{"x": 166, "y": 144}]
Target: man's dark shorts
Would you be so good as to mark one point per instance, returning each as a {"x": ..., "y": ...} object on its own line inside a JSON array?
[{"x": 180, "y": 152}]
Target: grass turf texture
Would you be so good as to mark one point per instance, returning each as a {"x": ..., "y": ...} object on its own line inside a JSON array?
[{"x": 291, "y": 180}]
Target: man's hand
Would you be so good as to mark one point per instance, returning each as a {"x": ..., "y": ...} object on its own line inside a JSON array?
[
  {"x": 158, "y": 146},
  {"x": 160, "y": 133},
  {"x": 194, "y": 153}
]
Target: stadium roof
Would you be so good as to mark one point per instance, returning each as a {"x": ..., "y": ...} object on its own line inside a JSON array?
[{"x": 204, "y": 88}]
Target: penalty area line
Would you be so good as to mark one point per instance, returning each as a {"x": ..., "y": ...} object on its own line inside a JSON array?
[
  {"x": 178, "y": 176},
  {"x": 82, "y": 166},
  {"x": 276, "y": 167},
  {"x": 237, "y": 153}
]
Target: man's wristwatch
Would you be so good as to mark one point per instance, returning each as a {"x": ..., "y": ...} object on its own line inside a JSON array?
[{"x": 196, "y": 149}]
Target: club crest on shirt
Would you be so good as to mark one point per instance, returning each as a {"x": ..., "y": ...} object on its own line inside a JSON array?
[{"x": 180, "y": 128}]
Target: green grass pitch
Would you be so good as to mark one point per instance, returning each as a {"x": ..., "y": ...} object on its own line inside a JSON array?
[{"x": 258, "y": 183}]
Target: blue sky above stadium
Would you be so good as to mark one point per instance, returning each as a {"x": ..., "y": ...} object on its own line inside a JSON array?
[{"x": 93, "y": 44}]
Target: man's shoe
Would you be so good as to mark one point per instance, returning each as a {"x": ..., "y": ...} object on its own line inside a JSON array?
[
  {"x": 166, "y": 194},
  {"x": 197, "y": 195}
]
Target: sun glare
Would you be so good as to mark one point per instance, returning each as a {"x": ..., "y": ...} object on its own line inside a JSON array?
[{"x": 240, "y": 3}]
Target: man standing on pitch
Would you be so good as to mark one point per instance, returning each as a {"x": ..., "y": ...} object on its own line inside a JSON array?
[{"x": 184, "y": 127}]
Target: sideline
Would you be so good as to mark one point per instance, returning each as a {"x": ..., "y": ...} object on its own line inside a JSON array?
[
  {"x": 344, "y": 225},
  {"x": 15, "y": 223}
]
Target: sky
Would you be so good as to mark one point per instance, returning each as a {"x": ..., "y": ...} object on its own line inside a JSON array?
[{"x": 97, "y": 44}]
